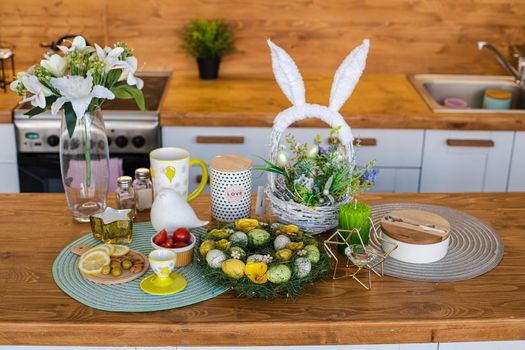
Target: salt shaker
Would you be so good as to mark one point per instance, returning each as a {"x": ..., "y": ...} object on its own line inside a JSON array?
[
  {"x": 143, "y": 189},
  {"x": 125, "y": 194}
]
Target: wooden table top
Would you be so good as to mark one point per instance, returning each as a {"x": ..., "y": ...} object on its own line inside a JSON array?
[
  {"x": 34, "y": 311},
  {"x": 380, "y": 101}
]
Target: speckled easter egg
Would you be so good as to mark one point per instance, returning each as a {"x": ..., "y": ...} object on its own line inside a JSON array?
[
  {"x": 280, "y": 242},
  {"x": 279, "y": 274},
  {"x": 312, "y": 253},
  {"x": 233, "y": 268},
  {"x": 258, "y": 237},
  {"x": 206, "y": 246},
  {"x": 302, "y": 267},
  {"x": 238, "y": 250},
  {"x": 214, "y": 258},
  {"x": 255, "y": 258},
  {"x": 239, "y": 238}
]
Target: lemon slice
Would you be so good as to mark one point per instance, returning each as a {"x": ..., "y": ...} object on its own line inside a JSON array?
[
  {"x": 120, "y": 250},
  {"x": 92, "y": 263},
  {"x": 111, "y": 248},
  {"x": 98, "y": 248}
]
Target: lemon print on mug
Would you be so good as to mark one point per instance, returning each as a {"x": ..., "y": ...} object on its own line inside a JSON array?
[{"x": 169, "y": 171}]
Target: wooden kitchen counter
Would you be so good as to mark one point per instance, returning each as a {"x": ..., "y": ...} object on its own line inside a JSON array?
[
  {"x": 34, "y": 311},
  {"x": 8, "y": 102},
  {"x": 380, "y": 101}
]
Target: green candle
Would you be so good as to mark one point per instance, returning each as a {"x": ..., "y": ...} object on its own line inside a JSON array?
[{"x": 354, "y": 216}]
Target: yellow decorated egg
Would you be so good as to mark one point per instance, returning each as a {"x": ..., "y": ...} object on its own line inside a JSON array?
[
  {"x": 233, "y": 268},
  {"x": 206, "y": 246},
  {"x": 284, "y": 254}
]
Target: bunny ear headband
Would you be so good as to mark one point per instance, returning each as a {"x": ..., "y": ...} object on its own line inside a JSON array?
[{"x": 291, "y": 83}]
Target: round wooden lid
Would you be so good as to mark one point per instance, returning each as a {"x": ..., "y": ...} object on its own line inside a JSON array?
[
  {"x": 230, "y": 163},
  {"x": 498, "y": 94},
  {"x": 415, "y": 226}
]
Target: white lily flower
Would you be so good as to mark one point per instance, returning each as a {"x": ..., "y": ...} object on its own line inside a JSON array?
[
  {"x": 18, "y": 80},
  {"x": 56, "y": 65},
  {"x": 79, "y": 91},
  {"x": 129, "y": 67},
  {"x": 78, "y": 43},
  {"x": 37, "y": 90},
  {"x": 109, "y": 55}
]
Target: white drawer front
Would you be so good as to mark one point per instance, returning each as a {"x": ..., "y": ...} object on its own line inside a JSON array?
[
  {"x": 517, "y": 167},
  {"x": 255, "y": 141},
  {"x": 9, "y": 179},
  {"x": 7, "y": 143},
  {"x": 389, "y": 147},
  {"x": 451, "y": 164},
  {"x": 396, "y": 180}
]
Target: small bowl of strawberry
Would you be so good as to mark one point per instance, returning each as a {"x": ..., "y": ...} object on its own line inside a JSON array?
[{"x": 181, "y": 241}]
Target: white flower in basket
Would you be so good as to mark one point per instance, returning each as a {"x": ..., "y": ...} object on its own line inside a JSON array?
[{"x": 319, "y": 219}]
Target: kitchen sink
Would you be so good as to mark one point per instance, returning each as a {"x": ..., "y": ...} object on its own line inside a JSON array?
[{"x": 434, "y": 88}]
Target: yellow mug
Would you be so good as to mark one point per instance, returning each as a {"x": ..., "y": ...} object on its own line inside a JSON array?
[{"x": 170, "y": 168}]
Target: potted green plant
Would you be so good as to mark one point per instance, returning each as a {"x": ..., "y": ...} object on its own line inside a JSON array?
[{"x": 208, "y": 41}]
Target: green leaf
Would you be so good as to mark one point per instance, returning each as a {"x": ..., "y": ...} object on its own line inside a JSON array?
[
  {"x": 127, "y": 90},
  {"x": 34, "y": 111},
  {"x": 71, "y": 118},
  {"x": 113, "y": 76}
]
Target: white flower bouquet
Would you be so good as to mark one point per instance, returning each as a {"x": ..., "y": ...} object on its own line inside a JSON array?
[{"x": 80, "y": 80}]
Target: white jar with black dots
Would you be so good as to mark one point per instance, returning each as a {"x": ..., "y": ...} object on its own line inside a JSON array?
[{"x": 230, "y": 187}]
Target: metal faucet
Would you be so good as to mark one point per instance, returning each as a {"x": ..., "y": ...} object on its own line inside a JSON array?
[{"x": 518, "y": 74}]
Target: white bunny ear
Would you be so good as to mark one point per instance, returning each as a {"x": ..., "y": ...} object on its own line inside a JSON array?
[
  {"x": 347, "y": 76},
  {"x": 287, "y": 75}
]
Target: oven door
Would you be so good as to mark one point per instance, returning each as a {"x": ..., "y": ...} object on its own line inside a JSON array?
[{"x": 40, "y": 172}]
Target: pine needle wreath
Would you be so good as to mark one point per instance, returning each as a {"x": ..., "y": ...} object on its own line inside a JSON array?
[{"x": 244, "y": 287}]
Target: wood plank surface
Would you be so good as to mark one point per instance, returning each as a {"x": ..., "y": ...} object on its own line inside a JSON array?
[
  {"x": 33, "y": 311},
  {"x": 379, "y": 101},
  {"x": 409, "y": 36}
]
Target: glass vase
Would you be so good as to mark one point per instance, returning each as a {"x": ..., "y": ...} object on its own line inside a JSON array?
[{"x": 84, "y": 162}]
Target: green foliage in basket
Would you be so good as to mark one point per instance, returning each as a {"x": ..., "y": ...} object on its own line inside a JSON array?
[
  {"x": 316, "y": 174},
  {"x": 208, "y": 38},
  {"x": 237, "y": 255}
]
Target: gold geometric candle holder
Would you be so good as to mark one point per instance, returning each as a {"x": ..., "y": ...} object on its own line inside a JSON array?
[{"x": 359, "y": 257}]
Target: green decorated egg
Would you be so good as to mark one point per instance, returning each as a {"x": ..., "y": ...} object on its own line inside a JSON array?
[
  {"x": 280, "y": 242},
  {"x": 255, "y": 258},
  {"x": 214, "y": 258},
  {"x": 302, "y": 267},
  {"x": 258, "y": 237},
  {"x": 239, "y": 238},
  {"x": 312, "y": 253},
  {"x": 237, "y": 251},
  {"x": 279, "y": 274}
]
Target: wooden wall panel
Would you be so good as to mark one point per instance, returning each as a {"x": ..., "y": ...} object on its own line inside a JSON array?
[{"x": 407, "y": 36}]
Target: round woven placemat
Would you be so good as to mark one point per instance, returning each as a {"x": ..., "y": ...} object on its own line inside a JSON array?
[
  {"x": 474, "y": 247},
  {"x": 128, "y": 297}
]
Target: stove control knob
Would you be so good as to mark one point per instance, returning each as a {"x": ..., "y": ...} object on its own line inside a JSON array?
[
  {"x": 121, "y": 141},
  {"x": 53, "y": 140},
  {"x": 138, "y": 141},
  {"x": 75, "y": 143}
]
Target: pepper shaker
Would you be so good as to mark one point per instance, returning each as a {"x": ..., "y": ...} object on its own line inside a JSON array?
[
  {"x": 143, "y": 189},
  {"x": 125, "y": 194}
]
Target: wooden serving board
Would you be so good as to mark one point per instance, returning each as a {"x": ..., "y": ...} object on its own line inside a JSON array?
[
  {"x": 406, "y": 227},
  {"x": 126, "y": 275}
]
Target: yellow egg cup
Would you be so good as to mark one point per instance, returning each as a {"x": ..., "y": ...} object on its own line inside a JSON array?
[
  {"x": 163, "y": 281},
  {"x": 156, "y": 285}
]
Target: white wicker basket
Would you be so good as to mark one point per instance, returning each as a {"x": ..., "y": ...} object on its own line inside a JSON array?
[{"x": 319, "y": 219}]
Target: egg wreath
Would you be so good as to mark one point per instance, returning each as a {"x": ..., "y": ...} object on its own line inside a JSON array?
[{"x": 259, "y": 259}]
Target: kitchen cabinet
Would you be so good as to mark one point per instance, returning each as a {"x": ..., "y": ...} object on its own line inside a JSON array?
[
  {"x": 8, "y": 165},
  {"x": 517, "y": 166},
  {"x": 397, "y": 152},
  {"x": 466, "y": 161},
  {"x": 497, "y": 345}
]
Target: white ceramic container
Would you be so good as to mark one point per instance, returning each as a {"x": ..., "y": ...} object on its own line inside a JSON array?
[{"x": 417, "y": 253}]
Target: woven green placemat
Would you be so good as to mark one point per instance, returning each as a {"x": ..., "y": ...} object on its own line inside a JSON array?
[{"x": 128, "y": 297}]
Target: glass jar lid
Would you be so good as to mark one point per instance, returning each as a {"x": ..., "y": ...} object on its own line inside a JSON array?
[{"x": 142, "y": 174}]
